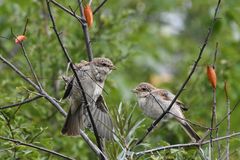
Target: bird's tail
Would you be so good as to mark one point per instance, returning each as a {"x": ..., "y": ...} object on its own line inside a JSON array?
[
  {"x": 73, "y": 123},
  {"x": 190, "y": 131}
]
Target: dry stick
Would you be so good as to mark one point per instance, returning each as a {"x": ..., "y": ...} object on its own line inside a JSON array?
[
  {"x": 21, "y": 103},
  {"x": 68, "y": 11},
  {"x": 86, "y": 34},
  {"x": 30, "y": 66},
  {"x": 188, "y": 78},
  {"x": 213, "y": 120},
  {"x": 26, "y": 57},
  {"x": 228, "y": 118},
  {"x": 18, "y": 142},
  {"x": 217, "y": 134},
  {"x": 215, "y": 56},
  {"x": 187, "y": 145},
  {"x": 77, "y": 78},
  {"x": 25, "y": 27},
  {"x": 95, "y": 11},
  {"x": 53, "y": 102}
]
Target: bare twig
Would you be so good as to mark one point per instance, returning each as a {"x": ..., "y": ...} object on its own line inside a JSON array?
[
  {"x": 187, "y": 145},
  {"x": 25, "y": 27},
  {"x": 210, "y": 29},
  {"x": 215, "y": 56},
  {"x": 86, "y": 34},
  {"x": 228, "y": 118},
  {"x": 213, "y": 120},
  {"x": 75, "y": 74},
  {"x": 214, "y": 109},
  {"x": 220, "y": 122},
  {"x": 68, "y": 11},
  {"x": 18, "y": 142},
  {"x": 30, "y": 66},
  {"x": 21, "y": 103},
  {"x": 26, "y": 57},
  {"x": 100, "y": 6}
]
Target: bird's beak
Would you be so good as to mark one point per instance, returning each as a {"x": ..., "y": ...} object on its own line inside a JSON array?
[
  {"x": 134, "y": 91},
  {"x": 113, "y": 67}
]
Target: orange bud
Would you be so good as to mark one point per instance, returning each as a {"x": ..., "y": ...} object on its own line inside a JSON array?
[
  {"x": 212, "y": 76},
  {"x": 88, "y": 15},
  {"x": 20, "y": 38}
]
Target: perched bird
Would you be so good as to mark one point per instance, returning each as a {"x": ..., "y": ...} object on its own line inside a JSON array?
[
  {"x": 154, "y": 102},
  {"x": 92, "y": 76}
]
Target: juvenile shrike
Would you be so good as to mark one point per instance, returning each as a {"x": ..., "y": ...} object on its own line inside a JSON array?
[
  {"x": 154, "y": 102},
  {"x": 92, "y": 76}
]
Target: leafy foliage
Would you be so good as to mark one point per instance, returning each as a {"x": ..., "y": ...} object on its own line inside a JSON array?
[{"x": 148, "y": 41}]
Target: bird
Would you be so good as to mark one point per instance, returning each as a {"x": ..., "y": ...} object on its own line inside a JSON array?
[
  {"x": 92, "y": 76},
  {"x": 154, "y": 102}
]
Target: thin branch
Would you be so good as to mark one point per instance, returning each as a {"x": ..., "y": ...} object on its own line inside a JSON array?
[
  {"x": 30, "y": 66},
  {"x": 100, "y": 6},
  {"x": 213, "y": 120},
  {"x": 226, "y": 116},
  {"x": 220, "y": 122},
  {"x": 25, "y": 27},
  {"x": 228, "y": 119},
  {"x": 75, "y": 74},
  {"x": 18, "y": 142},
  {"x": 187, "y": 145},
  {"x": 21, "y": 103},
  {"x": 210, "y": 29},
  {"x": 28, "y": 61},
  {"x": 68, "y": 11},
  {"x": 215, "y": 55},
  {"x": 86, "y": 34}
]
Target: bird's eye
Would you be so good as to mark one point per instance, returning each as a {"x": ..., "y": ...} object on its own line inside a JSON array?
[
  {"x": 104, "y": 64},
  {"x": 144, "y": 89}
]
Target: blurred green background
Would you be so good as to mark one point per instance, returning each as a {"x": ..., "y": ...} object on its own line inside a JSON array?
[{"x": 153, "y": 41}]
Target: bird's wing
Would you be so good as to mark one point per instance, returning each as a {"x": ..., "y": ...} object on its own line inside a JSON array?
[
  {"x": 101, "y": 118},
  {"x": 82, "y": 67},
  {"x": 168, "y": 96},
  {"x": 69, "y": 85}
]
